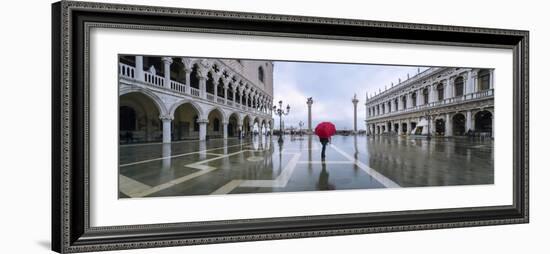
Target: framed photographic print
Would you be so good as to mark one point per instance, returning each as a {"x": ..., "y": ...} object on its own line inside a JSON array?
[{"x": 181, "y": 126}]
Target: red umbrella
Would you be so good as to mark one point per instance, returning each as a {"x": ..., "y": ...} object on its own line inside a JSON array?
[{"x": 325, "y": 130}]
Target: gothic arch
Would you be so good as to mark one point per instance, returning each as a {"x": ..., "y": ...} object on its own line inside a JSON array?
[
  {"x": 193, "y": 104},
  {"x": 225, "y": 117},
  {"x": 158, "y": 102}
]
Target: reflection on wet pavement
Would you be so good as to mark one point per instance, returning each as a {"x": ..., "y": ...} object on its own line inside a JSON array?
[{"x": 261, "y": 165}]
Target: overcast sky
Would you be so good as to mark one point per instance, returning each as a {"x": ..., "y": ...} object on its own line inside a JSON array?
[{"x": 332, "y": 87}]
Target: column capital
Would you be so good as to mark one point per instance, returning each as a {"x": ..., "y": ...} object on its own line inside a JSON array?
[
  {"x": 202, "y": 72},
  {"x": 202, "y": 121},
  {"x": 168, "y": 60},
  {"x": 166, "y": 117},
  {"x": 225, "y": 82}
]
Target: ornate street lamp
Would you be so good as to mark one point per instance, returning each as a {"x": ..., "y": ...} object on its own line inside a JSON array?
[
  {"x": 301, "y": 124},
  {"x": 281, "y": 112},
  {"x": 428, "y": 117}
]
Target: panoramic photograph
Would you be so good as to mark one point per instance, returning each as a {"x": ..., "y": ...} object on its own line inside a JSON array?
[{"x": 212, "y": 126}]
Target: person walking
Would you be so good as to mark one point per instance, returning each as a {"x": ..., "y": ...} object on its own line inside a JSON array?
[
  {"x": 324, "y": 131},
  {"x": 324, "y": 142}
]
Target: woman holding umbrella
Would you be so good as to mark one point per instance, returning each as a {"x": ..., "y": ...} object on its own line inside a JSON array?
[{"x": 325, "y": 130}]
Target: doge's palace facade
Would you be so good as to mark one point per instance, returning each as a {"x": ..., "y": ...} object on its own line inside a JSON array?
[
  {"x": 439, "y": 101},
  {"x": 178, "y": 98}
]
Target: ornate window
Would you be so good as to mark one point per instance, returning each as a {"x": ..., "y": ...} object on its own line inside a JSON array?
[
  {"x": 459, "y": 86},
  {"x": 440, "y": 92},
  {"x": 484, "y": 80}
]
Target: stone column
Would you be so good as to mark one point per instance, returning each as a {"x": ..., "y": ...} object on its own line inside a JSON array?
[
  {"x": 399, "y": 128},
  {"x": 234, "y": 95},
  {"x": 167, "y": 62},
  {"x": 216, "y": 83},
  {"x": 166, "y": 129},
  {"x": 409, "y": 100},
  {"x": 188, "y": 80},
  {"x": 472, "y": 81},
  {"x": 409, "y": 129},
  {"x": 139, "y": 68},
  {"x": 225, "y": 87},
  {"x": 355, "y": 101},
  {"x": 309, "y": 103},
  {"x": 188, "y": 76},
  {"x": 491, "y": 80},
  {"x": 469, "y": 125},
  {"x": 166, "y": 154},
  {"x": 447, "y": 91},
  {"x": 432, "y": 125},
  {"x": 225, "y": 129},
  {"x": 202, "y": 128},
  {"x": 246, "y": 92},
  {"x": 203, "y": 74},
  {"x": 241, "y": 90},
  {"x": 448, "y": 125}
]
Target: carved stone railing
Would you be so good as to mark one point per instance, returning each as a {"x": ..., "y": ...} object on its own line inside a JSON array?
[
  {"x": 126, "y": 70},
  {"x": 178, "y": 87}
]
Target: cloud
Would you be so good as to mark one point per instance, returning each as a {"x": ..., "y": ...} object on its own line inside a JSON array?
[{"x": 332, "y": 87}]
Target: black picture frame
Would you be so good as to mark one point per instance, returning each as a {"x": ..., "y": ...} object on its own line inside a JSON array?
[{"x": 71, "y": 231}]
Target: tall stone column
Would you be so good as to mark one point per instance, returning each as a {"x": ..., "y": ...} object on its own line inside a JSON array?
[
  {"x": 432, "y": 129},
  {"x": 188, "y": 80},
  {"x": 216, "y": 83},
  {"x": 399, "y": 128},
  {"x": 225, "y": 129},
  {"x": 309, "y": 103},
  {"x": 139, "y": 68},
  {"x": 491, "y": 80},
  {"x": 203, "y": 123},
  {"x": 447, "y": 89},
  {"x": 203, "y": 74},
  {"x": 448, "y": 125},
  {"x": 409, "y": 100},
  {"x": 234, "y": 90},
  {"x": 225, "y": 87},
  {"x": 166, "y": 129},
  {"x": 241, "y": 92},
  {"x": 469, "y": 125},
  {"x": 472, "y": 81},
  {"x": 166, "y": 156},
  {"x": 246, "y": 93},
  {"x": 167, "y": 62},
  {"x": 355, "y": 101}
]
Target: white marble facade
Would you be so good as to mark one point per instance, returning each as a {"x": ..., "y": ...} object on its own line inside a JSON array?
[
  {"x": 176, "y": 98},
  {"x": 439, "y": 101}
]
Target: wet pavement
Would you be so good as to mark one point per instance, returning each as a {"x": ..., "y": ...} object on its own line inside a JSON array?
[{"x": 261, "y": 165}]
